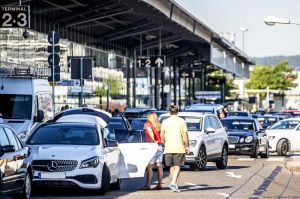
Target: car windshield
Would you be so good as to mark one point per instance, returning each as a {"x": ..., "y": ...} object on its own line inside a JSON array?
[
  {"x": 193, "y": 123},
  {"x": 285, "y": 124},
  {"x": 238, "y": 124},
  {"x": 65, "y": 135},
  {"x": 15, "y": 106}
]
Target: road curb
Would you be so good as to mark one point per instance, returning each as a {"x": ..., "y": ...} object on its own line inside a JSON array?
[{"x": 293, "y": 165}]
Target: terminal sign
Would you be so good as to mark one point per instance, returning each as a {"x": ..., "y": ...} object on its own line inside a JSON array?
[
  {"x": 15, "y": 17},
  {"x": 152, "y": 61}
]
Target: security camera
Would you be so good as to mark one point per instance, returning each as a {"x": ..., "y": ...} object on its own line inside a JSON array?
[{"x": 26, "y": 34}]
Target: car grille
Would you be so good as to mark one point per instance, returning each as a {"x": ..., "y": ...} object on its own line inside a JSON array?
[
  {"x": 233, "y": 139},
  {"x": 59, "y": 165}
]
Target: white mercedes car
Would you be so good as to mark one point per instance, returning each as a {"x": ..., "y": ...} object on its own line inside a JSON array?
[
  {"x": 208, "y": 140},
  {"x": 284, "y": 136},
  {"x": 77, "y": 154}
]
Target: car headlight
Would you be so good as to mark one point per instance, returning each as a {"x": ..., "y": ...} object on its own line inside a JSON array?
[
  {"x": 242, "y": 140},
  {"x": 90, "y": 163},
  {"x": 271, "y": 137},
  {"x": 248, "y": 139},
  {"x": 193, "y": 143}
]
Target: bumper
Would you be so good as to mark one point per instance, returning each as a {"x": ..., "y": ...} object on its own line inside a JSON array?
[
  {"x": 89, "y": 178},
  {"x": 246, "y": 149}
]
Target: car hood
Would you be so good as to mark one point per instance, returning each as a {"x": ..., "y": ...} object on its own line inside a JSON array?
[
  {"x": 71, "y": 152},
  {"x": 239, "y": 133},
  {"x": 194, "y": 135}
]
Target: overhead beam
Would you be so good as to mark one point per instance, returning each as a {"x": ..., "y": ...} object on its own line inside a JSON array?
[
  {"x": 135, "y": 33},
  {"x": 165, "y": 40},
  {"x": 58, "y": 6},
  {"x": 94, "y": 18}
]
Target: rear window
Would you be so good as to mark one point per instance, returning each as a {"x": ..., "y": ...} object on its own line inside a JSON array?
[
  {"x": 65, "y": 135},
  {"x": 193, "y": 123},
  {"x": 243, "y": 114}
]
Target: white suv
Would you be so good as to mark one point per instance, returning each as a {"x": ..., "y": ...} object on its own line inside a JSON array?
[{"x": 208, "y": 140}]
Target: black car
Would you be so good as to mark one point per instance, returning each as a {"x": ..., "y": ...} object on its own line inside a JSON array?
[
  {"x": 15, "y": 175},
  {"x": 246, "y": 136}
]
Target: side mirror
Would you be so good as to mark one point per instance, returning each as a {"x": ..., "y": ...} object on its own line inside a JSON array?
[
  {"x": 40, "y": 116},
  {"x": 210, "y": 130},
  {"x": 7, "y": 149},
  {"x": 111, "y": 143}
]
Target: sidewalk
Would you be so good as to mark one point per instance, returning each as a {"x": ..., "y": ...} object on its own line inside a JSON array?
[{"x": 293, "y": 164}]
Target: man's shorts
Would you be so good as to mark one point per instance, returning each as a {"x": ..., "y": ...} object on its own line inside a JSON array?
[
  {"x": 158, "y": 156},
  {"x": 174, "y": 159}
]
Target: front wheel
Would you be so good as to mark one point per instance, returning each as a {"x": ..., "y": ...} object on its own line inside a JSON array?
[
  {"x": 201, "y": 161},
  {"x": 105, "y": 180},
  {"x": 266, "y": 154},
  {"x": 282, "y": 147},
  {"x": 27, "y": 188},
  {"x": 255, "y": 152},
  {"x": 222, "y": 162}
]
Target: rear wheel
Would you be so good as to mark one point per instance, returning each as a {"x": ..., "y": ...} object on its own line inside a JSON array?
[
  {"x": 222, "y": 162},
  {"x": 255, "y": 152},
  {"x": 282, "y": 147},
  {"x": 105, "y": 180},
  {"x": 201, "y": 161}
]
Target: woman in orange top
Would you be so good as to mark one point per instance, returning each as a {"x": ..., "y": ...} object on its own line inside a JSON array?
[{"x": 152, "y": 130}]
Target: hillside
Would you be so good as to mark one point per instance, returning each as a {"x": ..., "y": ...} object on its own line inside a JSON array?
[{"x": 294, "y": 61}]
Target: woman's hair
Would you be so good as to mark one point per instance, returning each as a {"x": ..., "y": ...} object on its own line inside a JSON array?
[{"x": 152, "y": 117}]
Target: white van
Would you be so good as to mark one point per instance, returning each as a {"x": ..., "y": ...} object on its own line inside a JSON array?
[{"x": 25, "y": 98}]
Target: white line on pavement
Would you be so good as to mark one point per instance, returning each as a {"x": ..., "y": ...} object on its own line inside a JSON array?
[
  {"x": 224, "y": 194},
  {"x": 193, "y": 185},
  {"x": 231, "y": 174},
  {"x": 246, "y": 159},
  {"x": 275, "y": 159}
]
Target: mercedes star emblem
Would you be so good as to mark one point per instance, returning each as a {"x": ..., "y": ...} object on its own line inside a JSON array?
[{"x": 52, "y": 166}]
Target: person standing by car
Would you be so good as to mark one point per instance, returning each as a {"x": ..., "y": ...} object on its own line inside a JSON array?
[
  {"x": 152, "y": 130},
  {"x": 174, "y": 135}
]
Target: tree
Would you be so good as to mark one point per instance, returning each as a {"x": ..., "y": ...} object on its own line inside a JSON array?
[
  {"x": 115, "y": 86},
  {"x": 278, "y": 77}
]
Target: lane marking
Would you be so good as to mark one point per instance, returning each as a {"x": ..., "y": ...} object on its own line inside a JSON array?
[
  {"x": 224, "y": 194},
  {"x": 193, "y": 185},
  {"x": 231, "y": 174},
  {"x": 276, "y": 159},
  {"x": 246, "y": 159}
]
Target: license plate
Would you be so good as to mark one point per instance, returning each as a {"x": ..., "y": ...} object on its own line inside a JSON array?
[
  {"x": 231, "y": 146},
  {"x": 52, "y": 175}
]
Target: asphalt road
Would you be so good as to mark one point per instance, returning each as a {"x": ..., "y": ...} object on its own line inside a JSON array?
[{"x": 244, "y": 178}]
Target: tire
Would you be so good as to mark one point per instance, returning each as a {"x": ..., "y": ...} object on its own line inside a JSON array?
[
  {"x": 27, "y": 188},
  {"x": 282, "y": 147},
  {"x": 201, "y": 161},
  {"x": 255, "y": 152},
  {"x": 105, "y": 180},
  {"x": 222, "y": 162},
  {"x": 115, "y": 185},
  {"x": 266, "y": 154}
]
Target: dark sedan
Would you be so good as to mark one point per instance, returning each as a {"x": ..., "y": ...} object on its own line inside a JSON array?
[
  {"x": 15, "y": 175},
  {"x": 266, "y": 121},
  {"x": 246, "y": 137}
]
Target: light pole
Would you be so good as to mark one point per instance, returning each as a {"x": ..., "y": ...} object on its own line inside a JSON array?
[
  {"x": 106, "y": 87},
  {"x": 271, "y": 20},
  {"x": 243, "y": 30}
]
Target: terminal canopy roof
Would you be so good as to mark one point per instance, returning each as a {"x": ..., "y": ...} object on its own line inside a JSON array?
[{"x": 136, "y": 27}]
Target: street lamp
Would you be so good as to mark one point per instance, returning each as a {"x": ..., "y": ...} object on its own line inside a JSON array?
[
  {"x": 271, "y": 20},
  {"x": 106, "y": 87},
  {"x": 243, "y": 30}
]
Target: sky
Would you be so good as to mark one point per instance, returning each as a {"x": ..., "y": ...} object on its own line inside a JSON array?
[{"x": 260, "y": 40}]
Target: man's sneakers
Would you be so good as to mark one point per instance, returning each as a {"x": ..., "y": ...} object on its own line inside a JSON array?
[{"x": 174, "y": 187}]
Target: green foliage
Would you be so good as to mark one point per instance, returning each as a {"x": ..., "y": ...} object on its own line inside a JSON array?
[
  {"x": 115, "y": 86},
  {"x": 278, "y": 77}
]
